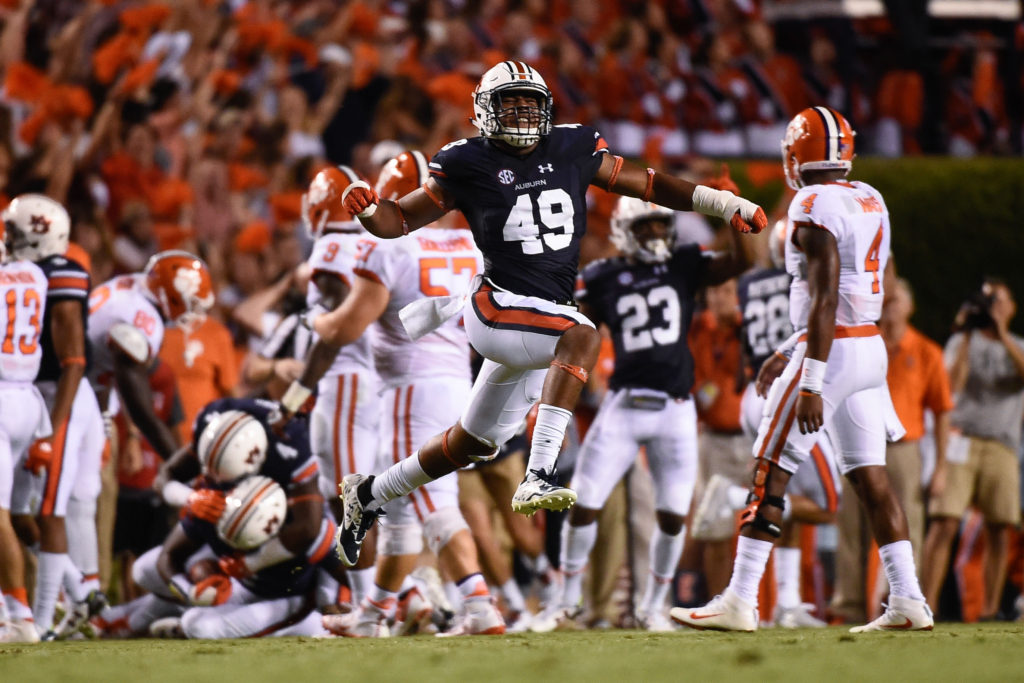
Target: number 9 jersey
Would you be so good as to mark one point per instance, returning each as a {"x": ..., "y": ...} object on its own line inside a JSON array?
[
  {"x": 855, "y": 214},
  {"x": 527, "y": 213}
]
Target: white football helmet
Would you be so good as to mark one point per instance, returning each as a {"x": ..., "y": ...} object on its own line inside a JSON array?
[
  {"x": 37, "y": 227},
  {"x": 488, "y": 111},
  {"x": 628, "y": 211},
  {"x": 253, "y": 513},
  {"x": 232, "y": 445}
]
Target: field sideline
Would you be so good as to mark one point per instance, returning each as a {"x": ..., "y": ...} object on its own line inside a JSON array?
[{"x": 986, "y": 652}]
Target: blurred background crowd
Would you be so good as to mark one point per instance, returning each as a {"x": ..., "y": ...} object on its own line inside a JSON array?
[{"x": 198, "y": 124}]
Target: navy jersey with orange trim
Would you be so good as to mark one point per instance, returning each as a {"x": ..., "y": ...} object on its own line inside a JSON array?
[
  {"x": 648, "y": 308},
  {"x": 290, "y": 460},
  {"x": 527, "y": 213},
  {"x": 764, "y": 302},
  {"x": 68, "y": 281}
]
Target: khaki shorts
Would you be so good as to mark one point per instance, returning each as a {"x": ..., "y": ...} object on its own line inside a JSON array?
[
  {"x": 730, "y": 456},
  {"x": 989, "y": 479},
  {"x": 500, "y": 477}
]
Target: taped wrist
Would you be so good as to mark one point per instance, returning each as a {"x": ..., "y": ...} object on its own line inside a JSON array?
[
  {"x": 295, "y": 397},
  {"x": 711, "y": 202},
  {"x": 812, "y": 375}
]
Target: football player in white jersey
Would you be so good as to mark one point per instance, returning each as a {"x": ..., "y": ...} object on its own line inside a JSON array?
[
  {"x": 426, "y": 382},
  {"x": 126, "y": 329},
  {"x": 23, "y": 419},
  {"x": 344, "y": 422},
  {"x": 69, "y": 461},
  {"x": 837, "y": 253}
]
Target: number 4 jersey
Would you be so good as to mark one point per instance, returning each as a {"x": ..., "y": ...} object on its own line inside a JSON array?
[
  {"x": 527, "y": 213},
  {"x": 648, "y": 308},
  {"x": 23, "y": 287}
]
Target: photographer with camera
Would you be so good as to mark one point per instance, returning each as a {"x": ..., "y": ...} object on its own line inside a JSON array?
[{"x": 986, "y": 370}]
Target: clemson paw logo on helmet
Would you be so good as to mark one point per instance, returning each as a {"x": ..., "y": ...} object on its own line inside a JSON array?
[
  {"x": 319, "y": 189},
  {"x": 187, "y": 282}
]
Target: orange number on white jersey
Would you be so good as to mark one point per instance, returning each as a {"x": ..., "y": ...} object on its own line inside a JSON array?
[
  {"x": 455, "y": 266},
  {"x": 26, "y": 344},
  {"x": 871, "y": 261}
]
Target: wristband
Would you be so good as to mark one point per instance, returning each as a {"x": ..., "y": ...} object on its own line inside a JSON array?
[
  {"x": 295, "y": 397},
  {"x": 360, "y": 184},
  {"x": 812, "y": 375},
  {"x": 176, "y": 494},
  {"x": 786, "y": 348}
]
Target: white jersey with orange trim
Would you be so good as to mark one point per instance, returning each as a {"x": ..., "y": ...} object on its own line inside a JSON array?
[
  {"x": 855, "y": 214},
  {"x": 120, "y": 300},
  {"x": 23, "y": 288},
  {"x": 336, "y": 253},
  {"x": 430, "y": 262}
]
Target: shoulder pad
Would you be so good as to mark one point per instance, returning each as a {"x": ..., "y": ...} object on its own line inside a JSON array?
[{"x": 130, "y": 341}]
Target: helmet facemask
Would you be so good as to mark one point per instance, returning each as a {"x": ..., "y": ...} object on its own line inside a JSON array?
[{"x": 496, "y": 118}]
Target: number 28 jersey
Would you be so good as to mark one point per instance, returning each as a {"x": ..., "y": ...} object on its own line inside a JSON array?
[
  {"x": 855, "y": 214},
  {"x": 764, "y": 302},
  {"x": 527, "y": 213},
  {"x": 648, "y": 308}
]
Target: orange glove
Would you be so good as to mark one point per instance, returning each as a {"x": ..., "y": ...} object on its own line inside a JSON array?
[
  {"x": 756, "y": 224},
  {"x": 205, "y": 504},
  {"x": 40, "y": 456},
  {"x": 360, "y": 199},
  {"x": 234, "y": 566},
  {"x": 213, "y": 590}
]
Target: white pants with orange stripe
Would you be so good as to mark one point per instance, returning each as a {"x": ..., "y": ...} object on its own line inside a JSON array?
[
  {"x": 413, "y": 413},
  {"x": 817, "y": 477},
  {"x": 23, "y": 419},
  {"x": 517, "y": 337},
  {"x": 343, "y": 428},
  {"x": 669, "y": 435},
  {"x": 856, "y": 400}
]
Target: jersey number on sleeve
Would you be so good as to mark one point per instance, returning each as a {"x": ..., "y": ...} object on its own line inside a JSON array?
[
  {"x": 521, "y": 227},
  {"x": 636, "y": 311},
  {"x": 871, "y": 261},
  {"x": 27, "y": 345}
]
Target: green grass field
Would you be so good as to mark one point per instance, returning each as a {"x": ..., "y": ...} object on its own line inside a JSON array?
[{"x": 989, "y": 652}]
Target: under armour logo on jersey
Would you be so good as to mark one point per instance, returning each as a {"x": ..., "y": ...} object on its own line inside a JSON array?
[
  {"x": 506, "y": 177},
  {"x": 544, "y": 168}
]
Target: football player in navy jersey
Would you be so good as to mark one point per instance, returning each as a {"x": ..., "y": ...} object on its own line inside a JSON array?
[
  {"x": 522, "y": 186},
  {"x": 68, "y": 461},
  {"x": 645, "y": 297}
]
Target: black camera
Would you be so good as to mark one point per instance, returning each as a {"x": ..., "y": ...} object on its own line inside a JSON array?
[{"x": 978, "y": 307}]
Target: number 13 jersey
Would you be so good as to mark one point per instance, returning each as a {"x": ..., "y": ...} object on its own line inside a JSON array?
[
  {"x": 527, "y": 213},
  {"x": 648, "y": 308},
  {"x": 855, "y": 214}
]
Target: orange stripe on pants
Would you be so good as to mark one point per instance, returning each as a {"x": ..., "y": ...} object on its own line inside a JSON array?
[{"x": 53, "y": 472}]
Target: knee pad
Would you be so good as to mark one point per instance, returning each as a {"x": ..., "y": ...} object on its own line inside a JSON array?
[
  {"x": 472, "y": 457},
  {"x": 399, "y": 539},
  {"x": 441, "y": 525}
]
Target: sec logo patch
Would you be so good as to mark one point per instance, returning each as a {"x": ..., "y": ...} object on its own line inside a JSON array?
[{"x": 506, "y": 177}]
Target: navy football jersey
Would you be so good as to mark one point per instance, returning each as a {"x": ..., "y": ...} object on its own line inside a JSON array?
[
  {"x": 68, "y": 281},
  {"x": 291, "y": 577},
  {"x": 528, "y": 213},
  {"x": 648, "y": 308},
  {"x": 764, "y": 301},
  {"x": 290, "y": 460}
]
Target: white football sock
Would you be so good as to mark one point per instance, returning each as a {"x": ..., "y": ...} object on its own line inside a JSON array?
[
  {"x": 399, "y": 480},
  {"x": 83, "y": 548},
  {"x": 577, "y": 542},
  {"x": 361, "y": 583},
  {"x": 787, "y": 577},
  {"x": 453, "y": 595},
  {"x": 473, "y": 588},
  {"x": 665, "y": 551},
  {"x": 748, "y": 567},
  {"x": 382, "y": 600},
  {"x": 17, "y": 605},
  {"x": 513, "y": 596},
  {"x": 548, "y": 433},
  {"x": 49, "y": 576},
  {"x": 898, "y": 561}
]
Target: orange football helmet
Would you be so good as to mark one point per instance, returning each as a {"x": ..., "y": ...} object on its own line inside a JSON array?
[
  {"x": 180, "y": 285},
  {"x": 321, "y": 204},
  {"x": 818, "y": 138},
  {"x": 401, "y": 175}
]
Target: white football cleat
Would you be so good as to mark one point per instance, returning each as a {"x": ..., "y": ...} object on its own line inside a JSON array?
[
  {"x": 540, "y": 491},
  {"x": 167, "y": 627},
  {"x": 479, "y": 618},
  {"x": 901, "y": 614},
  {"x": 414, "y": 613},
  {"x": 725, "y": 612},
  {"x": 797, "y": 617},
  {"x": 520, "y": 622},
  {"x": 368, "y": 621},
  {"x": 20, "y": 631},
  {"x": 555, "y": 618},
  {"x": 654, "y": 622},
  {"x": 355, "y": 520}
]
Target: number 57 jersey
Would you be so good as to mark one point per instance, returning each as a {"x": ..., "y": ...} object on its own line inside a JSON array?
[{"x": 855, "y": 214}]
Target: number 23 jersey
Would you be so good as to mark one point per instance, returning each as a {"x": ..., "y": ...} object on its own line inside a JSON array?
[
  {"x": 527, "y": 213},
  {"x": 648, "y": 308}
]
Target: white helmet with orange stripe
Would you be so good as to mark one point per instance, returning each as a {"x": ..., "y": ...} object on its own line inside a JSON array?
[
  {"x": 401, "y": 175},
  {"x": 516, "y": 126},
  {"x": 231, "y": 446},
  {"x": 253, "y": 513},
  {"x": 321, "y": 204}
]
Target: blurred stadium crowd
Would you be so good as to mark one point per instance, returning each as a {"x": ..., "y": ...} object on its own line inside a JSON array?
[{"x": 198, "y": 124}]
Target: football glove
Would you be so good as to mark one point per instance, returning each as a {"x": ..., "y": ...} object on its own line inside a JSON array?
[
  {"x": 40, "y": 456},
  {"x": 205, "y": 504},
  {"x": 360, "y": 199},
  {"x": 234, "y": 566},
  {"x": 213, "y": 590}
]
